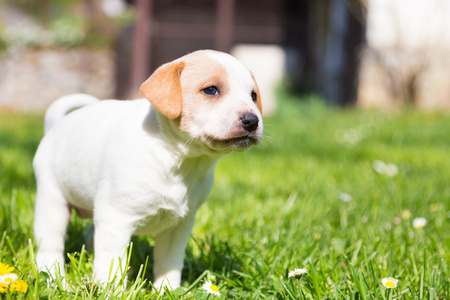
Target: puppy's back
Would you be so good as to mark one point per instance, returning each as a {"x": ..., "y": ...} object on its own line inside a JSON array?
[{"x": 77, "y": 146}]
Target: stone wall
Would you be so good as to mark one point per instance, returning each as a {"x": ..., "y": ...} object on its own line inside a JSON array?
[
  {"x": 31, "y": 79},
  {"x": 395, "y": 78},
  {"x": 407, "y": 57}
]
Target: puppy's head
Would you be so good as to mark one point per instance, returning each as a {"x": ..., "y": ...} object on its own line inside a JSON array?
[{"x": 211, "y": 96}]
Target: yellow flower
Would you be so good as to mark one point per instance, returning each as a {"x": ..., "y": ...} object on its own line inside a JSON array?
[
  {"x": 19, "y": 286},
  {"x": 5, "y": 269},
  {"x": 389, "y": 282},
  {"x": 211, "y": 289},
  {"x": 3, "y": 288},
  {"x": 433, "y": 207},
  {"x": 406, "y": 214}
]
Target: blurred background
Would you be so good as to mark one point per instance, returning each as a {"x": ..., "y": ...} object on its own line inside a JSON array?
[{"x": 370, "y": 53}]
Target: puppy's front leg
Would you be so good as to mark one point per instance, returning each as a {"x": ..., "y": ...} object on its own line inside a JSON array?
[
  {"x": 111, "y": 237},
  {"x": 170, "y": 246}
]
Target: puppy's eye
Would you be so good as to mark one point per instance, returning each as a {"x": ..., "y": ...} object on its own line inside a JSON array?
[
  {"x": 211, "y": 90},
  {"x": 254, "y": 96}
]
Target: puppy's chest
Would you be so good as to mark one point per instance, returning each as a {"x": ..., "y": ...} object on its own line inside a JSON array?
[{"x": 174, "y": 200}]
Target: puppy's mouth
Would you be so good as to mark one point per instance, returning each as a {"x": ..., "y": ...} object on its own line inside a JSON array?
[{"x": 235, "y": 143}]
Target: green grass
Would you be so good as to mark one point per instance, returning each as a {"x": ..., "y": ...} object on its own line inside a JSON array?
[{"x": 276, "y": 208}]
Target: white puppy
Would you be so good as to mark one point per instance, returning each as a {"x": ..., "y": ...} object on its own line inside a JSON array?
[{"x": 144, "y": 166}]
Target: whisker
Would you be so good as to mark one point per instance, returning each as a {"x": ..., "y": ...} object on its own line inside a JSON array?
[
  {"x": 267, "y": 135},
  {"x": 189, "y": 140},
  {"x": 268, "y": 138}
]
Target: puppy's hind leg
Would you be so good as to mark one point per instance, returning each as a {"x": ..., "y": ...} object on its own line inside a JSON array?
[{"x": 52, "y": 214}]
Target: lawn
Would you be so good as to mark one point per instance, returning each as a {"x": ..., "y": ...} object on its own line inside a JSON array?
[{"x": 334, "y": 191}]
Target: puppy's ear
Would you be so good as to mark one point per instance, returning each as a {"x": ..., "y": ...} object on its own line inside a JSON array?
[{"x": 163, "y": 89}]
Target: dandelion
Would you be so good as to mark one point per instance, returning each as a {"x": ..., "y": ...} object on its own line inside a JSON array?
[
  {"x": 211, "y": 289},
  {"x": 9, "y": 281},
  {"x": 419, "y": 223},
  {"x": 18, "y": 286},
  {"x": 5, "y": 269},
  {"x": 433, "y": 207},
  {"x": 406, "y": 214},
  {"x": 297, "y": 273},
  {"x": 345, "y": 197},
  {"x": 389, "y": 282}
]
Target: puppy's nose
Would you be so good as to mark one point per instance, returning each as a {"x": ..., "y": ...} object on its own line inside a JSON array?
[{"x": 249, "y": 122}]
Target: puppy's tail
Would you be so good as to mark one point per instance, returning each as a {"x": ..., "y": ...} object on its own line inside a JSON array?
[{"x": 61, "y": 107}]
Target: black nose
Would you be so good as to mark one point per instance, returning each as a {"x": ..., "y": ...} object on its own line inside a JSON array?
[{"x": 250, "y": 122}]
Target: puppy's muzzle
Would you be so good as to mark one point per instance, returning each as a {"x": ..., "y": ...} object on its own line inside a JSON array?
[
  {"x": 244, "y": 134},
  {"x": 247, "y": 134}
]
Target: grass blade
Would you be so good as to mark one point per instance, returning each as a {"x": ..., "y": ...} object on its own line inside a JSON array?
[
  {"x": 287, "y": 290},
  {"x": 259, "y": 269}
]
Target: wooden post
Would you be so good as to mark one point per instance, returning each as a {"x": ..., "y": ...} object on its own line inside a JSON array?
[
  {"x": 141, "y": 47},
  {"x": 224, "y": 25}
]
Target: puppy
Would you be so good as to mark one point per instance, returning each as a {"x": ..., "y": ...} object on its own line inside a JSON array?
[{"x": 142, "y": 167}]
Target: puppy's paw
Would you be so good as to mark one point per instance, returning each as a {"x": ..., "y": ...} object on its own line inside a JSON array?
[{"x": 170, "y": 280}]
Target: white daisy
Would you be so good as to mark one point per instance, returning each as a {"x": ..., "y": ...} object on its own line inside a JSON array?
[
  {"x": 419, "y": 222},
  {"x": 345, "y": 197},
  {"x": 379, "y": 166},
  {"x": 391, "y": 170},
  {"x": 211, "y": 289},
  {"x": 297, "y": 273},
  {"x": 389, "y": 282},
  {"x": 8, "y": 278}
]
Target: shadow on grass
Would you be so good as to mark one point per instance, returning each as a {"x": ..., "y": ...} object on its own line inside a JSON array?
[{"x": 209, "y": 254}]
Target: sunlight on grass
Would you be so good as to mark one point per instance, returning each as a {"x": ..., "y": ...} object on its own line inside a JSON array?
[{"x": 334, "y": 191}]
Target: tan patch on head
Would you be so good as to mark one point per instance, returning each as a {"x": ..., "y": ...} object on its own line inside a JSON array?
[
  {"x": 258, "y": 95},
  {"x": 163, "y": 89},
  {"x": 201, "y": 72}
]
